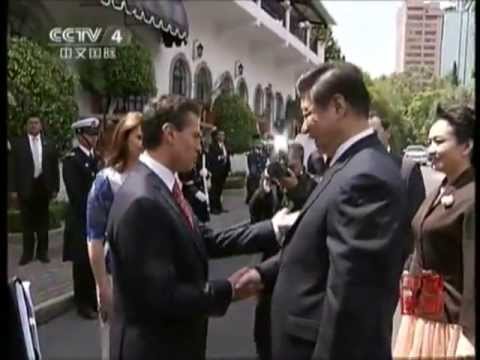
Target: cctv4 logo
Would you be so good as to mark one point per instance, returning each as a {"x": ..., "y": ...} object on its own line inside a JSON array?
[{"x": 85, "y": 35}]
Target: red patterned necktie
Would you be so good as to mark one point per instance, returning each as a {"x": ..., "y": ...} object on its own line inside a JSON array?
[{"x": 182, "y": 203}]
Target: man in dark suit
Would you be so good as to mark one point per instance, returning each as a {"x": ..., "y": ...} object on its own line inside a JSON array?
[
  {"x": 218, "y": 163},
  {"x": 159, "y": 250},
  {"x": 80, "y": 167},
  {"x": 336, "y": 277},
  {"x": 34, "y": 165},
  {"x": 256, "y": 163},
  {"x": 291, "y": 191},
  {"x": 410, "y": 171}
]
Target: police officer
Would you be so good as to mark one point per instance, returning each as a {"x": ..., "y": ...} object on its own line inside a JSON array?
[{"x": 79, "y": 169}]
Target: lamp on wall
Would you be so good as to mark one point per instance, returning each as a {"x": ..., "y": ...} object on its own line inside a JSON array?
[
  {"x": 238, "y": 68},
  {"x": 197, "y": 50}
]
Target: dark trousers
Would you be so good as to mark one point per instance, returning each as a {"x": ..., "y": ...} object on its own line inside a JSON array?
[
  {"x": 253, "y": 182},
  {"x": 35, "y": 220},
  {"x": 262, "y": 331},
  {"x": 218, "y": 182},
  {"x": 84, "y": 291}
]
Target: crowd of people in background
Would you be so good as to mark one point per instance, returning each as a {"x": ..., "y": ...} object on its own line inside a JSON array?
[{"x": 363, "y": 218}]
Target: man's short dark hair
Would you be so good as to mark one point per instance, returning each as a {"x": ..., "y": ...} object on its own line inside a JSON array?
[
  {"x": 329, "y": 79},
  {"x": 33, "y": 116},
  {"x": 296, "y": 151},
  {"x": 165, "y": 109}
]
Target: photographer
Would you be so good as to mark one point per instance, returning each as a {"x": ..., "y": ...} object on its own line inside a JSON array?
[
  {"x": 285, "y": 183},
  {"x": 256, "y": 163}
]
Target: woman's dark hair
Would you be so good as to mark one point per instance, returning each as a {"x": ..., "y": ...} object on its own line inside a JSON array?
[
  {"x": 461, "y": 119},
  {"x": 118, "y": 155},
  {"x": 165, "y": 109}
]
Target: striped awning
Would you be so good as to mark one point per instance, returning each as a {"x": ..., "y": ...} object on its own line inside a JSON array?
[{"x": 167, "y": 16}]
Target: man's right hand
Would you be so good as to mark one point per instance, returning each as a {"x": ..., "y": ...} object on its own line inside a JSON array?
[
  {"x": 249, "y": 284},
  {"x": 105, "y": 301},
  {"x": 14, "y": 195}
]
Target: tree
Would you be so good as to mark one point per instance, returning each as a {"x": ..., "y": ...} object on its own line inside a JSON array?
[
  {"x": 39, "y": 84},
  {"x": 130, "y": 74},
  {"x": 454, "y": 75},
  {"x": 324, "y": 34},
  {"x": 237, "y": 120}
]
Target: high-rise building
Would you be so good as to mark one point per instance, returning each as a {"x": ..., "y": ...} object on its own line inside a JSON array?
[
  {"x": 458, "y": 42},
  {"x": 419, "y": 35}
]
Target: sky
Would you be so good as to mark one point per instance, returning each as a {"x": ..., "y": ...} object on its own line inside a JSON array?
[{"x": 366, "y": 32}]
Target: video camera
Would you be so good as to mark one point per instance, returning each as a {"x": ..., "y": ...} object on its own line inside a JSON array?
[{"x": 278, "y": 167}]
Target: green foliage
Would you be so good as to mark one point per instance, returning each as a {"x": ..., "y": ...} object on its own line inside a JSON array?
[
  {"x": 57, "y": 212},
  {"x": 236, "y": 119},
  {"x": 130, "y": 74},
  {"x": 408, "y": 102},
  {"x": 332, "y": 49},
  {"x": 39, "y": 84}
]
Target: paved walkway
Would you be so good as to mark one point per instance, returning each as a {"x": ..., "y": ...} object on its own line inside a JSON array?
[{"x": 47, "y": 280}]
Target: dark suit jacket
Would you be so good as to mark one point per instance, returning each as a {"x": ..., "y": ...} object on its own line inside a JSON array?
[
  {"x": 160, "y": 269},
  {"x": 217, "y": 163},
  {"x": 439, "y": 241},
  {"x": 336, "y": 277},
  {"x": 412, "y": 175},
  {"x": 79, "y": 172},
  {"x": 467, "y": 312},
  {"x": 23, "y": 168}
]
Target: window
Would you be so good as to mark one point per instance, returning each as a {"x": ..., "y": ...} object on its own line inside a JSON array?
[
  {"x": 431, "y": 25},
  {"x": 418, "y": 32},
  {"x": 430, "y": 40},
  {"x": 258, "y": 101},
  {"x": 226, "y": 86},
  {"x": 415, "y": 47},
  {"x": 430, "y": 33},
  {"x": 413, "y": 54},
  {"x": 413, "y": 40},
  {"x": 429, "y": 47},
  {"x": 429, "y": 62},
  {"x": 279, "y": 112},
  {"x": 429, "y": 54},
  {"x": 431, "y": 17},
  {"x": 414, "y": 17},
  {"x": 180, "y": 79},
  {"x": 268, "y": 103},
  {"x": 203, "y": 84},
  {"x": 242, "y": 90}
]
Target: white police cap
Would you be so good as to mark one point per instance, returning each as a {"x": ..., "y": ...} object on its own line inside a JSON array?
[{"x": 90, "y": 123}]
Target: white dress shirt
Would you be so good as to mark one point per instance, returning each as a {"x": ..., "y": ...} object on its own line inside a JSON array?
[
  {"x": 36, "y": 148},
  {"x": 164, "y": 173},
  {"x": 349, "y": 143},
  {"x": 87, "y": 152}
]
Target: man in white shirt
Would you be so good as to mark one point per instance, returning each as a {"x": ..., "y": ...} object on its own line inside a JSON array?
[{"x": 35, "y": 181}]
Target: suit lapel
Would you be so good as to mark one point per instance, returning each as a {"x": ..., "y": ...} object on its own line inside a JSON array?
[
  {"x": 313, "y": 196},
  {"x": 368, "y": 141},
  {"x": 168, "y": 199}
]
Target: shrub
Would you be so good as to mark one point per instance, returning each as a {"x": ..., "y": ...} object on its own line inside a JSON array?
[
  {"x": 235, "y": 118},
  {"x": 56, "y": 210},
  {"x": 39, "y": 83}
]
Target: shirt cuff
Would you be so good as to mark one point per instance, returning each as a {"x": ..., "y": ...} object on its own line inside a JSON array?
[{"x": 278, "y": 234}]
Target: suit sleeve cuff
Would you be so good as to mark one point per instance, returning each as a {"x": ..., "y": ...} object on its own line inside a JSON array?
[{"x": 220, "y": 293}]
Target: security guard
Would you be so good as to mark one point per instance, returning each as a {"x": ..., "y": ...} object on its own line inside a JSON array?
[{"x": 80, "y": 167}]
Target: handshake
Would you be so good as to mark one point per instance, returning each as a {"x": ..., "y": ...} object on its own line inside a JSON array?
[{"x": 246, "y": 283}]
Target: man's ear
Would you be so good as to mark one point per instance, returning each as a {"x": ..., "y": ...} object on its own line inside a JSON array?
[
  {"x": 468, "y": 148},
  {"x": 339, "y": 104},
  {"x": 168, "y": 132}
]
